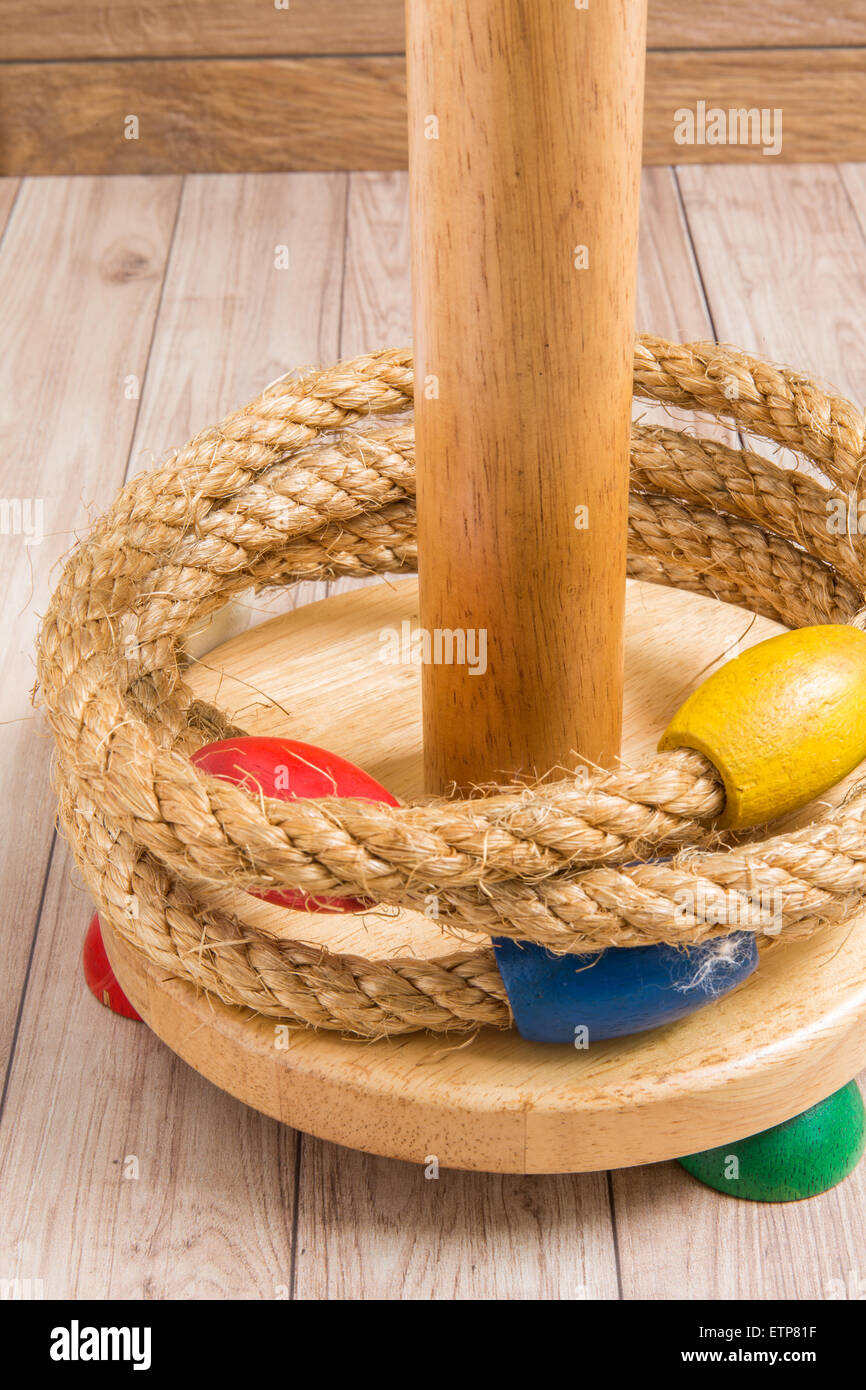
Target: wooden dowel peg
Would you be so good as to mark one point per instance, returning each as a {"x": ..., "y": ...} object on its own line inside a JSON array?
[{"x": 525, "y": 124}]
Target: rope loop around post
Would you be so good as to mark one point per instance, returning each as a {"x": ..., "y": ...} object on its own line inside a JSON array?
[{"x": 315, "y": 480}]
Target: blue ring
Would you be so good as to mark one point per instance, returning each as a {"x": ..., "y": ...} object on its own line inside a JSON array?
[{"x": 582, "y": 999}]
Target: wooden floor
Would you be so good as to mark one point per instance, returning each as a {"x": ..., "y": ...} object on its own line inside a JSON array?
[{"x": 132, "y": 312}]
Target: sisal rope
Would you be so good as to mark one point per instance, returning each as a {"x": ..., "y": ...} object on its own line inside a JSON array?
[{"x": 307, "y": 482}]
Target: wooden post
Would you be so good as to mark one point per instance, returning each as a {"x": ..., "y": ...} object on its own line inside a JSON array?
[{"x": 525, "y": 123}]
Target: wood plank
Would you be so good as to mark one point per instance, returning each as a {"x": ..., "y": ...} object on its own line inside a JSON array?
[
  {"x": 782, "y": 260},
  {"x": 8, "y": 193},
  {"x": 377, "y": 292},
  {"x": 273, "y": 114},
  {"x": 853, "y": 178},
  {"x": 232, "y": 318},
  {"x": 211, "y": 1214},
  {"x": 372, "y": 1228},
  {"x": 80, "y": 269},
  {"x": 819, "y": 91},
  {"x": 680, "y": 1239},
  {"x": 40, "y": 29},
  {"x": 670, "y": 297},
  {"x": 755, "y": 24},
  {"x": 223, "y": 115}
]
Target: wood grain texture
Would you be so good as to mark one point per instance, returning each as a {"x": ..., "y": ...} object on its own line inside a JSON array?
[
  {"x": 209, "y": 1213},
  {"x": 195, "y": 115},
  {"x": 819, "y": 91},
  {"x": 680, "y": 1240},
  {"x": 370, "y": 1228},
  {"x": 251, "y": 292},
  {"x": 264, "y": 114},
  {"x": 782, "y": 261},
  {"x": 8, "y": 193},
  {"x": 750, "y": 24},
  {"x": 81, "y": 263},
  {"x": 670, "y": 297},
  {"x": 524, "y": 221},
  {"x": 853, "y": 178},
  {"x": 377, "y": 292},
  {"x": 39, "y": 29}
]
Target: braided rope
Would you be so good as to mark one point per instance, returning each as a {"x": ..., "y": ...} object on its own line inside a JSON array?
[{"x": 306, "y": 483}]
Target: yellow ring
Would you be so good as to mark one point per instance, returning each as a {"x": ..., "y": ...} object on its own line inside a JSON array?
[{"x": 782, "y": 723}]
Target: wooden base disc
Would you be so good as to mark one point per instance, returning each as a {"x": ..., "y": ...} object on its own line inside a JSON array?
[{"x": 788, "y": 1037}]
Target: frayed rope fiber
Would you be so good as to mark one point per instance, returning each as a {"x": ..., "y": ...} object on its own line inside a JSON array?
[{"x": 303, "y": 483}]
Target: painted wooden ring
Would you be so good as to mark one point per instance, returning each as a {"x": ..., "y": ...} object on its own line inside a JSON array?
[
  {"x": 99, "y": 976},
  {"x": 582, "y": 999},
  {"x": 782, "y": 723},
  {"x": 798, "y": 1158}
]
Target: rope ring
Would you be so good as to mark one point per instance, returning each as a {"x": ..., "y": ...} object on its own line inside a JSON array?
[{"x": 306, "y": 483}]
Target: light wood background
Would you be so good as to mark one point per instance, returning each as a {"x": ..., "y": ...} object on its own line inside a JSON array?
[
  {"x": 173, "y": 282},
  {"x": 320, "y": 84}
]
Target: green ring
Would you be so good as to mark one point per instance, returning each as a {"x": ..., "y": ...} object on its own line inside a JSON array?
[{"x": 799, "y": 1158}]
